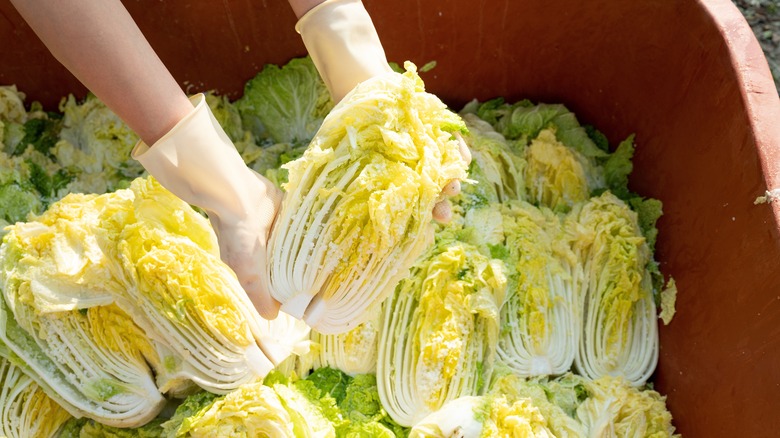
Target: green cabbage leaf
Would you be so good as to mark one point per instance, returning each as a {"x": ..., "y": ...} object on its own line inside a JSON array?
[{"x": 286, "y": 104}]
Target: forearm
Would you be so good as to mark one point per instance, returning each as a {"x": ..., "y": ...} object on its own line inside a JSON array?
[
  {"x": 301, "y": 7},
  {"x": 100, "y": 44}
]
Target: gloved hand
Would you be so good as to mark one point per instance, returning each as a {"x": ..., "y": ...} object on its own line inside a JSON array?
[
  {"x": 197, "y": 162},
  {"x": 342, "y": 41}
]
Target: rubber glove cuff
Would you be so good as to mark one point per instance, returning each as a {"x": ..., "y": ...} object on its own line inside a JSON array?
[{"x": 343, "y": 43}]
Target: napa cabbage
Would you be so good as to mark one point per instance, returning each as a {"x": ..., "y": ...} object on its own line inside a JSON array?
[
  {"x": 57, "y": 314},
  {"x": 95, "y": 141},
  {"x": 501, "y": 165},
  {"x": 115, "y": 299},
  {"x": 13, "y": 117},
  {"x": 12, "y": 105},
  {"x": 557, "y": 176},
  {"x": 253, "y": 409},
  {"x": 18, "y": 197},
  {"x": 540, "y": 317},
  {"x": 439, "y": 332},
  {"x": 360, "y": 411},
  {"x": 615, "y": 408},
  {"x": 483, "y": 417},
  {"x": 358, "y": 207},
  {"x": 523, "y": 121},
  {"x": 327, "y": 403},
  {"x": 355, "y": 351},
  {"x": 556, "y": 398},
  {"x": 25, "y": 409},
  {"x": 286, "y": 104},
  {"x": 229, "y": 118},
  {"x": 185, "y": 292},
  {"x": 620, "y": 331}
]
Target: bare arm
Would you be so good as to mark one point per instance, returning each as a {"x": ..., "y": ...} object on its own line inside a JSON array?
[
  {"x": 98, "y": 41},
  {"x": 300, "y": 7}
]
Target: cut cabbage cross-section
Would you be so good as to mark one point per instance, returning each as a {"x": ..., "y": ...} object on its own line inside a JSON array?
[
  {"x": 540, "y": 317},
  {"x": 484, "y": 417},
  {"x": 358, "y": 207},
  {"x": 557, "y": 176},
  {"x": 439, "y": 331},
  {"x": 616, "y": 408},
  {"x": 58, "y": 317},
  {"x": 620, "y": 329},
  {"x": 186, "y": 295},
  {"x": 25, "y": 409},
  {"x": 112, "y": 300},
  {"x": 353, "y": 352}
]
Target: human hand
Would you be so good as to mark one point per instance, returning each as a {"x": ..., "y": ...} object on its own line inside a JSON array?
[
  {"x": 197, "y": 162},
  {"x": 442, "y": 211},
  {"x": 243, "y": 238}
]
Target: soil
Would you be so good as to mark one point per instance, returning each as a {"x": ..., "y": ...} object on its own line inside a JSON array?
[{"x": 764, "y": 18}]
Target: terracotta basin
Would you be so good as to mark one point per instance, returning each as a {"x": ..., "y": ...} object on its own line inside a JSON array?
[{"x": 686, "y": 76}]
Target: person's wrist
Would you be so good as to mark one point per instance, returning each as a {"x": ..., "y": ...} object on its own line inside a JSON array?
[
  {"x": 255, "y": 197},
  {"x": 301, "y": 7},
  {"x": 343, "y": 44}
]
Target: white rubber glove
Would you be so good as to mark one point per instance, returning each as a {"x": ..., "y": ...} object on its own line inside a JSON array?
[
  {"x": 197, "y": 162},
  {"x": 343, "y": 43}
]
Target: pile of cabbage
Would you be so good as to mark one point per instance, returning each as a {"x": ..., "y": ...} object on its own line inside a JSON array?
[
  {"x": 112, "y": 302},
  {"x": 534, "y": 312}
]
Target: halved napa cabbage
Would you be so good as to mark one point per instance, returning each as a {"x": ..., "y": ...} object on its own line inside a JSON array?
[
  {"x": 58, "y": 317},
  {"x": 439, "y": 331},
  {"x": 12, "y": 105},
  {"x": 556, "y": 175},
  {"x": 95, "y": 143},
  {"x": 25, "y": 409},
  {"x": 255, "y": 409},
  {"x": 115, "y": 299},
  {"x": 501, "y": 168},
  {"x": 620, "y": 331},
  {"x": 358, "y": 207},
  {"x": 557, "y": 399},
  {"x": 614, "y": 408},
  {"x": 540, "y": 318},
  {"x": 194, "y": 301},
  {"x": 189, "y": 295},
  {"x": 252, "y": 410},
  {"x": 353, "y": 352},
  {"x": 484, "y": 417}
]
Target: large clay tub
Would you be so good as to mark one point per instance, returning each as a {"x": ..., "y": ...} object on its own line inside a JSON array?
[{"x": 686, "y": 76}]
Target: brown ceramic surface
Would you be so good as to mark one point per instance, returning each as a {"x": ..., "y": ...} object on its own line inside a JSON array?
[{"x": 687, "y": 77}]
